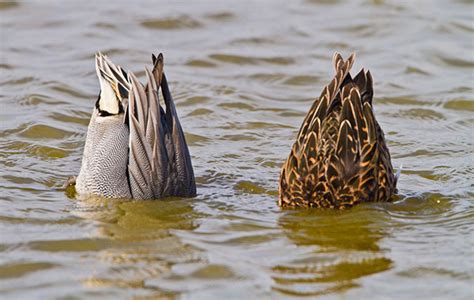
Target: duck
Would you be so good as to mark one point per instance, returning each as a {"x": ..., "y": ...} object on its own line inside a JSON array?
[
  {"x": 340, "y": 157},
  {"x": 135, "y": 147}
]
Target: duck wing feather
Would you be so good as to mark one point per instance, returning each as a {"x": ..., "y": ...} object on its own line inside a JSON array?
[{"x": 159, "y": 160}]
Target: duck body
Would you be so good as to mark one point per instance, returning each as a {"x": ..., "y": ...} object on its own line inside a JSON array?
[
  {"x": 135, "y": 148},
  {"x": 340, "y": 157}
]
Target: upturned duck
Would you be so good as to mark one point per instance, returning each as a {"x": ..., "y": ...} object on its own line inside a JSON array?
[
  {"x": 340, "y": 157},
  {"x": 135, "y": 148}
]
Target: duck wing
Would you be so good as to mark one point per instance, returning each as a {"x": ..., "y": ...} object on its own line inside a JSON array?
[{"x": 159, "y": 160}]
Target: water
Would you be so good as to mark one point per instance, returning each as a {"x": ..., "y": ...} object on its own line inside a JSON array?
[{"x": 243, "y": 76}]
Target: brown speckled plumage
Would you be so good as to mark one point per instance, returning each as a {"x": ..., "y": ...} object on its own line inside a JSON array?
[{"x": 340, "y": 157}]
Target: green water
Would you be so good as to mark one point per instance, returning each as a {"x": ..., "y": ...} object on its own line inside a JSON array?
[{"x": 243, "y": 76}]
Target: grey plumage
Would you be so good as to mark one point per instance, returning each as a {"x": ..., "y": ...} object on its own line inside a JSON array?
[{"x": 135, "y": 148}]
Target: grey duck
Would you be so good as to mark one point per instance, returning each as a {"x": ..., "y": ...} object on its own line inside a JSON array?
[{"x": 135, "y": 147}]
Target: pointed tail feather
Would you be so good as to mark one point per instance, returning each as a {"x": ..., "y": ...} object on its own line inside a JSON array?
[{"x": 113, "y": 74}]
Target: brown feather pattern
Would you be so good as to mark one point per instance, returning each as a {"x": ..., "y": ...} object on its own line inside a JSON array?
[{"x": 340, "y": 157}]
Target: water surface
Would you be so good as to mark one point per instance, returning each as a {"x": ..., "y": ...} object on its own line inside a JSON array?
[{"x": 243, "y": 76}]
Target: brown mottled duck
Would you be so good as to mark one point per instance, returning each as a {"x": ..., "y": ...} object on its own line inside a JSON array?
[{"x": 340, "y": 157}]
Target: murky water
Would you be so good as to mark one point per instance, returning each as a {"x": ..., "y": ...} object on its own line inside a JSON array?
[{"x": 243, "y": 75}]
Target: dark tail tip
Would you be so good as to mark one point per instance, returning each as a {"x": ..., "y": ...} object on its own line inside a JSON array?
[{"x": 155, "y": 58}]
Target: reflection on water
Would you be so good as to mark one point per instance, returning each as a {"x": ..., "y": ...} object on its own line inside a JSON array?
[
  {"x": 358, "y": 230},
  {"x": 346, "y": 249},
  {"x": 243, "y": 77},
  {"x": 137, "y": 241}
]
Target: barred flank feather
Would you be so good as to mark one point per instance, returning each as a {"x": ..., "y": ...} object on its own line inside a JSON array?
[{"x": 340, "y": 157}]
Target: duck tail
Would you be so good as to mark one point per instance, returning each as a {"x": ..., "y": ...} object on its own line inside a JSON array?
[{"x": 113, "y": 75}]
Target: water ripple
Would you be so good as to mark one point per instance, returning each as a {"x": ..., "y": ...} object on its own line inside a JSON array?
[{"x": 243, "y": 78}]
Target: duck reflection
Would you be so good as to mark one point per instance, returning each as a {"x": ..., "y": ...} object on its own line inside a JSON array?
[
  {"x": 347, "y": 249},
  {"x": 141, "y": 240}
]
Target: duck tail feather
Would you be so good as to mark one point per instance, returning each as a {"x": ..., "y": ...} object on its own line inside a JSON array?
[
  {"x": 369, "y": 88},
  {"x": 113, "y": 74},
  {"x": 157, "y": 71}
]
